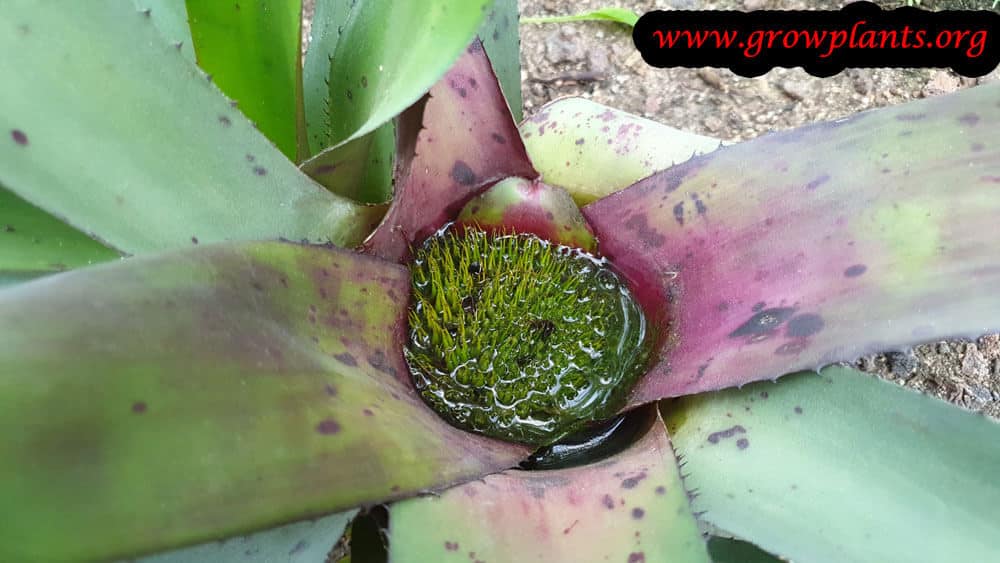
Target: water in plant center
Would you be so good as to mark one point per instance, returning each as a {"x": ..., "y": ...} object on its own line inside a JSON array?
[{"x": 520, "y": 339}]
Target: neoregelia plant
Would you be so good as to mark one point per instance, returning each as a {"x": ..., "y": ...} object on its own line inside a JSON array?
[{"x": 243, "y": 367}]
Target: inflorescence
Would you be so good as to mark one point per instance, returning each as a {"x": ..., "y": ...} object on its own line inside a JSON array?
[{"x": 520, "y": 339}]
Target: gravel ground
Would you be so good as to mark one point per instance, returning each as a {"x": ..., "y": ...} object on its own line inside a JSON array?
[{"x": 598, "y": 61}]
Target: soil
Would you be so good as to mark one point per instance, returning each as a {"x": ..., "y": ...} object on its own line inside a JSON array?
[{"x": 597, "y": 60}]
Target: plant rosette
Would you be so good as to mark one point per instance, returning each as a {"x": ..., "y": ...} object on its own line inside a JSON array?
[{"x": 223, "y": 379}]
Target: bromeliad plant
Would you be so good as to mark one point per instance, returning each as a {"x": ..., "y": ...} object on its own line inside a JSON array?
[{"x": 244, "y": 368}]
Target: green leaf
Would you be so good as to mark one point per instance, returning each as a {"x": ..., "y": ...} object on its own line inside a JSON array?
[
  {"x": 360, "y": 169},
  {"x": 842, "y": 467},
  {"x": 502, "y": 41},
  {"x": 328, "y": 21},
  {"x": 252, "y": 49},
  {"x": 408, "y": 47},
  {"x": 33, "y": 242},
  {"x": 302, "y": 542},
  {"x": 631, "y": 507},
  {"x": 190, "y": 396},
  {"x": 454, "y": 144},
  {"x": 816, "y": 245},
  {"x": 127, "y": 141},
  {"x": 617, "y": 15},
  {"x": 352, "y": 94},
  {"x": 170, "y": 17},
  {"x": 592, "y": 150}
]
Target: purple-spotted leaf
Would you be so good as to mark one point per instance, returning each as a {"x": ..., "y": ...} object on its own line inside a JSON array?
[
  {"x": 529, "y": 206},
  {"x": 842, "y": 466},
  {"x": 631, "y": 508},
  {"x": 592, "y": 150},
  {"x": 252, "y": 49},
  {"x": 351, "y": 91},
  {"x": 468, "y": 141},
  {"x": 209, "y": 392},
  {"x": 142, "y": 151},
  {"x": 815, "y": 245}
]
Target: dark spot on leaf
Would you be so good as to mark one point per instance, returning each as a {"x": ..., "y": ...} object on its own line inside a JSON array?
[
  {"x": 368, "y": 412},
  {"x": 700, "y": 207},
  {"x": 764, "y": 322},
  {"x": 19, "y": 137},
  {"x": 378, "y": 361},
  {"x": 346, "y": 358},
  {"x": 299, "y": 547},
  {"x": 462, "y": 174},
  {"x": 330, "y": 390},
  {"x": 259, "y": 170},
  {"x": 325, "y": 168},
  {"x": 251, "y": 158},
  {"x": 451, "y": 545},
  {"x": 817, "y": 181},
  {"x": 579, "y": 141},
  {"x": 9, "y": 229},
  {"x": 855, "y": 270},
  {"x": 701, "y": 370},
  {"x": 636, "y": 557},
  {"x": 764, "y": 395},
  {"x": 742, "y": 443},
  {"x": 498, "y": 138},
  {"x": 644, "y": 232},
  {"x": 139, "y": 407},
  {"x": 798, "y": 410},
  {"x": 328, "y": 426},
  {"x": 638, "y": 513},
  {"x": 608, "y": 502},
  {"x": 350, "y": 95},
  {"x": 714, "y": 437},
  {"x": 364, "y": 81},
  {"x": 910, "y": 116},
  {"x": 661, "y": 490},
  {"x": 225, "y": 121},
  {"x": 805, "y": 325},
  {"x": 976, "y": 147},
  {"x": 194, "y": 240},
  {"x": 679, "y": 213},
  {"x": 631, "y": 482},
  {"x": 969, "y": 119}
]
